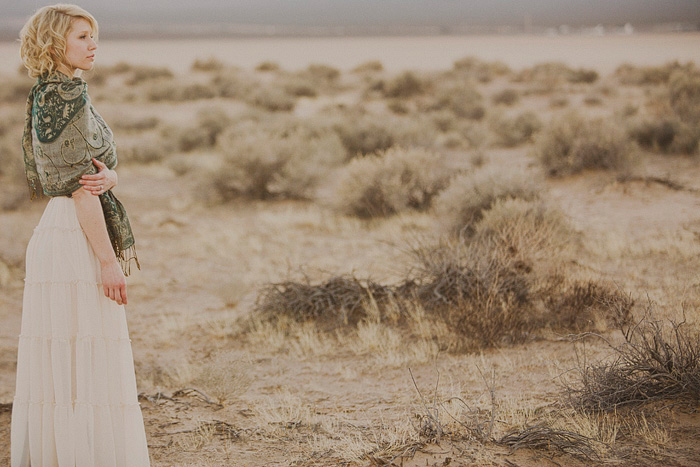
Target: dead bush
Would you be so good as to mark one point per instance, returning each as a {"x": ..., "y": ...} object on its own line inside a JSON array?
[
  {"x": 278, "y": 160},
  {"x": 548, "y": 76},
  {"x": 527, "y": 228},
  {"x": 585, "y": 305},
  {"x": 571, "y": 144},
  {"x": 336, "y": 302},
  {"x": 507, "y": 96},
  {"x": 583, "y": 75},
  {"x": 461, "y": 98},
  {"x": 363, "y": 134},
  {"x": 665, "y": 134},
  {"x": 15, "y": 89},
  {"x": 135, "y": 124},
  {"x": 372, "y": 66},
  {"x": 208, "y": 65},
  {"x": 658, "y": 361},
  {"x": 470, "y": 195},
  {"x": 233, "y": 84},
  {"x": 298, "y": 86},
  {"x": 142, "y": 73},
  {"x": 267, "y": 66},
  {"x": 512, "y": 131},
  {"x": 473, "y": 68},
  {"x": 390, "y": 182},
  {"x": 684, "y": 93},
  {"x": 143, "y": 150},
  {"x": 649, "y": 75},
  {"x": 271, "y": 98},
  {"x": 405, "y": 85}
]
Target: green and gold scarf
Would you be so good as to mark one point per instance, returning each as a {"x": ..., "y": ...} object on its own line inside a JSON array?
[{"x": 62, "y": 133}]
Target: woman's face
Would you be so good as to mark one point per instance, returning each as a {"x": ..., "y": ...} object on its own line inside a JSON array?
[{"x": 80, "y": 47}]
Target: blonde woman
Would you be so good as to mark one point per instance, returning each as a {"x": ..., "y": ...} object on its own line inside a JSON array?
[{"x": 76, "y": 401}]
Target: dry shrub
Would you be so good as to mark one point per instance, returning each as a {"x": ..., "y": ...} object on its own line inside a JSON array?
[
  {"x": 337, "y": 302},
  {"x": 143, "y": 150},
  {"x": 403, "y": 86},
  {"x": 15, "y": 89},
  {"x": 512, "y": 131},
  {"x": 657, "y": 362},
  {"x": 665, "y": 134},
  {"x": 135, "y": 124},
  {"x": 392, "y": 181},
  {"x": 372, "y": 66},
  {"x": 461, "y": 98},
  {"x": 571, "y": 144},
  {"x": 363, "y": 134},
  {"x": 271, "y": 98},
  {"x": 483, "y": 294},
  {"x": 470, "y": 195},
  {"x": 507, "y": 96},
  {"x": 473, "y": 68},
  {"x": 585, "y": 305},
  {"x": 208, "y": 65},
  {"x": 583, "y": 75},
  {"x": 267, "y": 66},
  {"x": 280, "y": 160},
  {"x": 547, "y": 76},
  {"x": 321, "y": 73},
  {"x": 203, "y": 135},
  {"x": 233, "y": 84},
  {"x": 527, "y": 228},
  {"x": 142, "y": 73},
  {"x": 644, "y": 75},
  {"x": 298, "y": 86},
  {"x": 684, "y": 93}
]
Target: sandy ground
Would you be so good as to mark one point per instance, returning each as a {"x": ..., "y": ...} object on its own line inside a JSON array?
[{"x": 317, "y": 401}]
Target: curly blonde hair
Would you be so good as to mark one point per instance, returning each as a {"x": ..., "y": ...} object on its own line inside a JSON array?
[{"x": 43, "y": 37}]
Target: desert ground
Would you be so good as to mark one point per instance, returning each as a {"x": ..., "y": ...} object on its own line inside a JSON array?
[{"x": 477, "y": 262}]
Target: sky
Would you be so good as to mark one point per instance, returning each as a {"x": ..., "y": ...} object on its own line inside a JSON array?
[{"x": 333, "y": 13}]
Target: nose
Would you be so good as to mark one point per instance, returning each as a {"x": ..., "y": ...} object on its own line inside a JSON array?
[{"x": 92, "y": 45}]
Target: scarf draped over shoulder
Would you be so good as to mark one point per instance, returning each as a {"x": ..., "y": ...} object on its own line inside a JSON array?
[{"x": 62, "y": 133}]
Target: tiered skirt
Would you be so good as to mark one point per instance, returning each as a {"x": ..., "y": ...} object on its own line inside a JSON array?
[{"x": 76, "y": 402}]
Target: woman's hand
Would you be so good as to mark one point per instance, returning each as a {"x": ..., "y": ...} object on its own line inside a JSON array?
[
  {"x": 100, "y": 182},
  {"x": 114, "y": 282}
]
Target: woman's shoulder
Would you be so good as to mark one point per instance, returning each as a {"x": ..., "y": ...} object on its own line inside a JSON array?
[{"x": 57, "y": 100}]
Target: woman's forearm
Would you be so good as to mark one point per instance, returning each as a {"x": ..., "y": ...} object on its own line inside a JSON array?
[{"x": 91, "y": 218}]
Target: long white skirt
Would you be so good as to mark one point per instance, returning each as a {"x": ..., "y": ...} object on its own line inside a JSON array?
[{"x": 76, "y": 402}]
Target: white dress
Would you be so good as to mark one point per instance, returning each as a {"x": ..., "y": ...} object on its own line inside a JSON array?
[{"x": 76, "y": 402}]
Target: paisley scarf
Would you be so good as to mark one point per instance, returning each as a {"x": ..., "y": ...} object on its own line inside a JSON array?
[{"x": 62, "y": 133}]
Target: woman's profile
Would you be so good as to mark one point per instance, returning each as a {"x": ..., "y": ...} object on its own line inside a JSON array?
[{"x": 76, "y": 400}]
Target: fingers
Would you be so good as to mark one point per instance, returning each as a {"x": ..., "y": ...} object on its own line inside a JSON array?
[
  {"x": 100, "y": 165},
  {"x": 122, "y": 291}
]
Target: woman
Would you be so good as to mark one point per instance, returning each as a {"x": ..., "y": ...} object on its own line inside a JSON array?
[{"x": 76, "y": 402}]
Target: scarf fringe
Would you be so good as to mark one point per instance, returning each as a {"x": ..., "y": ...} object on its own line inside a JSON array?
[
  {"x": 125, "y": 257},
  {"x": 35, "y": 190}
]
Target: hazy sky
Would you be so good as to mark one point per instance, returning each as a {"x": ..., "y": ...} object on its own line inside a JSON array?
[{"x": 374, "y": 12}]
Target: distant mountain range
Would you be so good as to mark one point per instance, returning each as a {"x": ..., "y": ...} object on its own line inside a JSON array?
[{"x": 159, "y": 18}]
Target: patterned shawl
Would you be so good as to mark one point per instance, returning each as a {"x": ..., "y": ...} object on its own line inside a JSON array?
[{"x": 62, "y": 133}]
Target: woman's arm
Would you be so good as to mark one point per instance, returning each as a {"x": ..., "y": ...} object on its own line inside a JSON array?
[
  {"x": 92, "y": 221},
  {"x": 105, "y": 179}
]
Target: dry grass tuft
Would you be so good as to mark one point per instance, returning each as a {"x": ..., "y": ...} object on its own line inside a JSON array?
[
  {"x": 390, "y": 182},
  {"x": 372, "y": 66},
  {"x": 571, "y": 144},
  {"x": 543, "y": 437}
]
